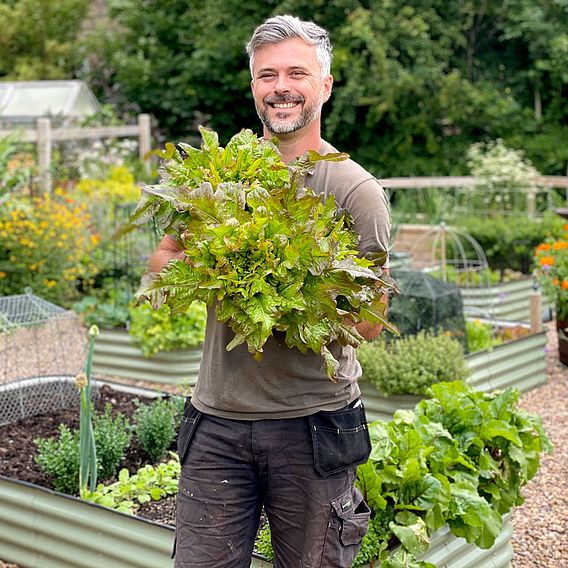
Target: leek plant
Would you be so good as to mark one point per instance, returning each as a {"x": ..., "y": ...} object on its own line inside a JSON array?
[{"x": 87, "y": 449}]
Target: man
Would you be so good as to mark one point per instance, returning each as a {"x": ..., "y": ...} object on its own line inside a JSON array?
[{"x": 277, "y": 433}]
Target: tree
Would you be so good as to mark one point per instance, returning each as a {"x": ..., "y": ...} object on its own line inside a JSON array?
[{"x": 38, "y": 38}]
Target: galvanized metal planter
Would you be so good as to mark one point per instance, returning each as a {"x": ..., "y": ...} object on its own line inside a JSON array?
[
  {"x": 45, "y": 529},
  {"x": 449, "y": 551},
  {"x": 504, "y": 300},
  {"x": 116, "y": 356},
  {"x": 520, "y": 363}
]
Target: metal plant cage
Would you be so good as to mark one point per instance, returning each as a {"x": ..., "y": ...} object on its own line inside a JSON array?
[
  {"x": 426, "y": 303},
  {"x": 42, "y": 349}
]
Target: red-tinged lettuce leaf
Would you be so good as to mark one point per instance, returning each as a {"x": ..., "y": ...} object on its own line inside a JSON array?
[{"x": 261, "y": 247}]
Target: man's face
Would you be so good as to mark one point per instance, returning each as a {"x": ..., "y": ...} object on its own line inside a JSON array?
[{"x": 287, "y": 86}]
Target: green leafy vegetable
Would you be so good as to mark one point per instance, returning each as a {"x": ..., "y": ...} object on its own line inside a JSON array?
[
  {"x": 459, "y": 458},
  {"x": 261, "y": 247}
]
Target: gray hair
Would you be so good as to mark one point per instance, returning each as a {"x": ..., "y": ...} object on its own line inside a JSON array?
[{"x": 281, "y": 28}]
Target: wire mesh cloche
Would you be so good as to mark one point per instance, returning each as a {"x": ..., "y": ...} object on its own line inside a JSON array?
[
  {"x": 42, "y": 349},
  {"x": 454, "y": 256}
]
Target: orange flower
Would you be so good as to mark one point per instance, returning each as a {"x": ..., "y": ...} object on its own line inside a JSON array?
[
  {"x": 564, "y": 284},
  {"x": 555, "y": 281},
  {"x": 548, "y": 260},
  {"x": 543, "y": 246},
  {"x": 560, "y": 245}
]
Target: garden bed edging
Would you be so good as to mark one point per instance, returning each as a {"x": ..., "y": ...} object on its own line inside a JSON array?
[
  {"x": 520, "y": 364},
  {"x": 116, "y": 355}
]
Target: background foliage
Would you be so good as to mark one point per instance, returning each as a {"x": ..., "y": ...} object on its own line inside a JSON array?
[{"x": 416, "y": 83}]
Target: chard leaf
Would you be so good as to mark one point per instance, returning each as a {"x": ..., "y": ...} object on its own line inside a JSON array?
[{"x": 411, "y": 531}]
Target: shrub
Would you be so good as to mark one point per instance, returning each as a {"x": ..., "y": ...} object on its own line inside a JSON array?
[
  {"x": 156, "y": 425},
  {"x": 59, "y": 459},
  {"x": 411, "y": 364},
  {"x": 112, "y": 436},
  {"x": 509, "y": 241},
  {"x": 160, "y": 330},
  {"x": 45, "y": 243}
]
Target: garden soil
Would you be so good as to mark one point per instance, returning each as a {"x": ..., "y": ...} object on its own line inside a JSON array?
[{"x": 540, "y": 536}]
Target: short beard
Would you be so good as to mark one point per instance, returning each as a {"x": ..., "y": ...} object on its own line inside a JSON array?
[{"x": 307, "y": 116}]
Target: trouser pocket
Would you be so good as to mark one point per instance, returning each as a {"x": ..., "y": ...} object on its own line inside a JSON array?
[
  {"x": 349, "y": 520},
  {"x": 340, "y": 439},
  {"x": 188, "y": 425}
]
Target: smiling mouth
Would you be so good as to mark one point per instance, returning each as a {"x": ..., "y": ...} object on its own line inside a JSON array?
[{"x": 283, "y": 105}]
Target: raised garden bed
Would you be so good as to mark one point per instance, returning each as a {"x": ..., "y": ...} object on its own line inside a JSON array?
[
  {"x": 503, "y": 300},
  {"x": 520, "y": 364},
  {"x": 116, "y": 355},
  {"x": 46, "y": 529}
]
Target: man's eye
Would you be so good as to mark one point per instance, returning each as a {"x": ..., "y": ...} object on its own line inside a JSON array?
[{"x": 298, "y": 74}]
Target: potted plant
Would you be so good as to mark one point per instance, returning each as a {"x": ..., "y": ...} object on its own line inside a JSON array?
[{"x": 551, "y": 259}]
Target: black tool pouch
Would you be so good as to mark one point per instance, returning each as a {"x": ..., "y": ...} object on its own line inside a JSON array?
[{"x": 340, "y": 439}]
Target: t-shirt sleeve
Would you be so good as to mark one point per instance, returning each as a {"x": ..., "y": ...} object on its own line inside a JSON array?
[{"x": 369, "y": 207}]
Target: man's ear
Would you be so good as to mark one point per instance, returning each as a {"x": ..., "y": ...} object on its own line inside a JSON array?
[{"x": 327, "y": 87}]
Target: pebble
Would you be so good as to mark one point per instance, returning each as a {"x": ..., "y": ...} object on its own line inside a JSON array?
[{"x": 540, "y": 525}]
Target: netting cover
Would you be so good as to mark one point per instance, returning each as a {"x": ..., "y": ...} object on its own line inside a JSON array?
[
  {"x": 40, "y": 343},
  {"x": 427, "y": 303}
]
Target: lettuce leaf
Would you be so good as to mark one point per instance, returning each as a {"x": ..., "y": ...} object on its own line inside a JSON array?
[{"x": 261, "y": 247}]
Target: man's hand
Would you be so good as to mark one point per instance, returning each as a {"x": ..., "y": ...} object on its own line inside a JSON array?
[{"x": 167, "y": 250}]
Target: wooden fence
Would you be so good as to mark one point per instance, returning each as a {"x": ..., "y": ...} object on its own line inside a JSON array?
[
  {"x": 44, "y": 136},
  {"x": 457, "y": 183}
]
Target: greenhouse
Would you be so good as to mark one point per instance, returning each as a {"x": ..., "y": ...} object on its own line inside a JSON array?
[{"x": 65, "y": 102}]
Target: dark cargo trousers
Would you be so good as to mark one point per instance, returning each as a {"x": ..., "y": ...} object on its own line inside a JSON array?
[{"x": 232, "y": 468}]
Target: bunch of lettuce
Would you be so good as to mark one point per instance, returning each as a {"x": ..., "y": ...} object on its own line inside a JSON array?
[{"x": 260, "y": 247}]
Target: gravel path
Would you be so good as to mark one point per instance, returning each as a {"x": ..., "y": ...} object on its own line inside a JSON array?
[{"x": 540, "y": 536}]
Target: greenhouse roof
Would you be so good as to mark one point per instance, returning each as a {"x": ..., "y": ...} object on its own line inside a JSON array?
[{"x": 23, "y": 102}]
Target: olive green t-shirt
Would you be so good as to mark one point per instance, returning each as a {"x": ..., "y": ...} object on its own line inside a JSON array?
[{"x": 286, "y": 383}]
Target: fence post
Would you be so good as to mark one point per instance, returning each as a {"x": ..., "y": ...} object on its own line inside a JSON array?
[
  {"x": 44, "y": 153},
  {"x": 144, "y": 137}
]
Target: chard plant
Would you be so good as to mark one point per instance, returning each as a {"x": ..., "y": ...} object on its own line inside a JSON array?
[
  {"x": 262, "y": 248},
  {"x": 459, "y": 458}
]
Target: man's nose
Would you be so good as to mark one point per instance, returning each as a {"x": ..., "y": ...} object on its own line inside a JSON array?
[{"x": 282, "y": 85}]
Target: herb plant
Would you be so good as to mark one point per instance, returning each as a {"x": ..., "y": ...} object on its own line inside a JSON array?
[
  {"x": 409, "y": 365},
  {"x": 161, "y": 330},
  {"x": 260, "y": 247},
  {"x": 156, "y": 425},
  {"x": 460, "y": 458},
  {"x": 130, "y": 491}
]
